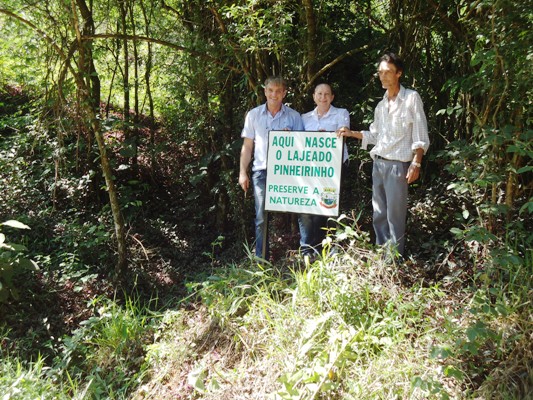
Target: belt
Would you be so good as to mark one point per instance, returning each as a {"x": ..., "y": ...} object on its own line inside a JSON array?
[{"x": 378, "y": 157}]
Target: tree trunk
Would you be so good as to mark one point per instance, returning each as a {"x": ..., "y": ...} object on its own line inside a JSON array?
[
  {"x": 89, "y": 92},
  {"x": 118, "y": 219},
  {"x": 126, "y": 79},
  {"x": 311, "y": 39},
  {"x": 147, "y": 75},
  {"x": 136, "y": 116}
]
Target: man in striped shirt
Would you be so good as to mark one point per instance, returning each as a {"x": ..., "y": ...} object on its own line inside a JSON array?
[{"x": 399, "y": 134}]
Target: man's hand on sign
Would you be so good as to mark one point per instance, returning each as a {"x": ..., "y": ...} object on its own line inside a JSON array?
[{"x": 346, "y": 132}]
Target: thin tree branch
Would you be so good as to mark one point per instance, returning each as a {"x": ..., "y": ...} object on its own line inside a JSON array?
[
  {"x": 234, "y": 47},
  {"x": 330, "y": 65},
  {"x": 453, "y": 27},
  {"x": 162, "y": 43},
  {"x": 42, "y": 33},
  {"x": 165, "y": 6}
]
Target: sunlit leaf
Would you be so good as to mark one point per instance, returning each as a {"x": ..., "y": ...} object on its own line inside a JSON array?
[{"x": 15, "y": 224}]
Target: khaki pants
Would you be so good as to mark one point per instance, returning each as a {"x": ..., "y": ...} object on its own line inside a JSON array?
[{"x": 389, "y": 201}]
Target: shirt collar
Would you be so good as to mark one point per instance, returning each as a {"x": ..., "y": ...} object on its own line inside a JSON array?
[
  {"x": 332, "y": 110},
  {"x": 281, "y": 111},
  {"x": 401, "y": 93}
]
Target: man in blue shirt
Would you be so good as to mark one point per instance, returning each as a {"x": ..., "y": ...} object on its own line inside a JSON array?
[{"x": 273, "y": 115}]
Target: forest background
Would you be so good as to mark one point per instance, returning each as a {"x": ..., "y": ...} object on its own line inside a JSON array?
[{"x": 125, "y": 269}]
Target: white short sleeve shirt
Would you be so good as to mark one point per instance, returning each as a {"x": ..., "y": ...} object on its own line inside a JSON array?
[
  {"x": 334, "y": 119},
  {"x": 259, "y": 121}
]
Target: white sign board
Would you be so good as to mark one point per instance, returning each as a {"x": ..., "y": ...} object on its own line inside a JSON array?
[{"x": 304, "y": 172}]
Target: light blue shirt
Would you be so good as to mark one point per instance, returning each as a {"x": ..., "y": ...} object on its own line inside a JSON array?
[
  {"x": 259, "y": 121},
  {"x": 334, "y": 119}
]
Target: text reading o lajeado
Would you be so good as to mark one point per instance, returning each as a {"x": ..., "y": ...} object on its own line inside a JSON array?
[{"x": 309, "y": 155}]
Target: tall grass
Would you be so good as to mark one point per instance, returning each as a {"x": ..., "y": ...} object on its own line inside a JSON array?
[
  {"x": 348, "y": 327},
  {"x": 31, "y": 380},
  {"x": 107, "y": 352},
  {"x": 102, "y": 359}
]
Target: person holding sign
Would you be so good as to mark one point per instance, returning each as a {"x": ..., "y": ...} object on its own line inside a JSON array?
[
  {"x": 324, "y": 117},
  {"x": 273, "y": 115},
  {"x": 399, "y": 134}
]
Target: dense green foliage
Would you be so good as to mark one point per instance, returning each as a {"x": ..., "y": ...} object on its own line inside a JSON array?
[
  {"x": 119, "y": 147},
  {"x": 12, "y": 262}
]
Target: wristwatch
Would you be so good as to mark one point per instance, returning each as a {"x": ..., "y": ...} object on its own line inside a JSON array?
[{"x": 416, "y": 164}]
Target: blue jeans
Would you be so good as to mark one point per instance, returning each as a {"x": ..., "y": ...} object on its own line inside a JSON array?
[
  {"x": 311, "y": 232},
  {"x": 389, "y": 201},
  {"x": 259, "y": 183}
]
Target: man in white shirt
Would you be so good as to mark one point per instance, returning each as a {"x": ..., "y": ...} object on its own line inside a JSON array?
[
  {"x": 399, "y": 134},
  {"x": 324, "y": 117},
  {"x": 273, "y": 115}
]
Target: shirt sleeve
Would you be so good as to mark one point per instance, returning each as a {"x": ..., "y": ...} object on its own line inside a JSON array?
[
  {"x": 248, "y": 130},
  {"x": 420, "y": 127},
  {"x": 369, "y": 137},
  {"x": 344, "y": 118}
]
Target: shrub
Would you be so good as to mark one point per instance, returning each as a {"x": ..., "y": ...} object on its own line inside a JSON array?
[{"x": 12, "y": 262}]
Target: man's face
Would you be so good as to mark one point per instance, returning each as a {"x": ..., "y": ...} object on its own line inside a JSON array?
[
  {"x": 323, "y": 96},
  {"x": 275, "y": 94},
  {"x": 388, "y": 75}
]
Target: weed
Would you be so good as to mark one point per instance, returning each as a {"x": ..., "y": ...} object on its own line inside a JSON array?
[
  {"x": 108, "y": 349},
  {"x": 31, "y": 381}
]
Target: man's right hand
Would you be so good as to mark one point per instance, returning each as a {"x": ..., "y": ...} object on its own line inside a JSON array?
[
  {"x": 246, "y": 156},
  {"x": 244, "y": 181}
]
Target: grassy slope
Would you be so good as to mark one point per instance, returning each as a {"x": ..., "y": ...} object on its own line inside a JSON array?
[{"x": 345, "y": 327}]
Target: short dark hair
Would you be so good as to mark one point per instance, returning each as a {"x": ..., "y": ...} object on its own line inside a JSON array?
[
  {"x": 325, "y": 84},
  {"x": 392, "y": 58},
  {"x": 276, "y": 81}
]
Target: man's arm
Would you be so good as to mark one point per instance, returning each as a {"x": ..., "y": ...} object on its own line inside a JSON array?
[
  {"x": 346, "y": 132},
  {"x": 368, "y": 137},
  {"x": 414, "y": 169},
  {"x": 420, "y": 136},
  {"x": 246, "y": 157}
]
